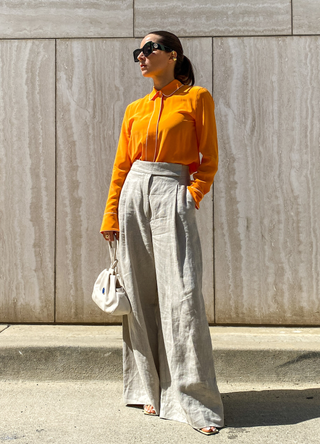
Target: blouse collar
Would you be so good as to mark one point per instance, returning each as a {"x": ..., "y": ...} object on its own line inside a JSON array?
[{"x": 166, "y": 90}]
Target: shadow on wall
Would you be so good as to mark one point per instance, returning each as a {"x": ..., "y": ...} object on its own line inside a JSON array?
[{"x": 270, "y": 407}]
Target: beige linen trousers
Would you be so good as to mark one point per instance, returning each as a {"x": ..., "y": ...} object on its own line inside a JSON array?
[{"x": 167, "y": 359}]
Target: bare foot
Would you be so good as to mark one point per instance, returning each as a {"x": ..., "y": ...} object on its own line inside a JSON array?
[{"x": 212, "y": 430}]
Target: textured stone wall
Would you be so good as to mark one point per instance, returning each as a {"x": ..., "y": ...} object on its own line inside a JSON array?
[{"x": 66, "y": 76}]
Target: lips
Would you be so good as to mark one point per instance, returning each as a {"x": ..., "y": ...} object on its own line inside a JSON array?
[{"x": 143, "y": 66}]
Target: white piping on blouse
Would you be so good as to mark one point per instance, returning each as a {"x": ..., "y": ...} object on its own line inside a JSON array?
[
  {"x": 162, "y": 95},
  {"x": 146, "y": 149},
  {"x": 155, "y": 147}
]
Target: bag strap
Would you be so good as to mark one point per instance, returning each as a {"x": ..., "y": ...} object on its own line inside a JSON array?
[
  {"x": 114, "y": 261},
  {"x": 113, "y": 253}
]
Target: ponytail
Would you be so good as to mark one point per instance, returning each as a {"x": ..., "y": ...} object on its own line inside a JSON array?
[{"x": 183, "y": 71}]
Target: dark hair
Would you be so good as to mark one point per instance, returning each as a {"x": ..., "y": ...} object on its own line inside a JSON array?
[{"x": 183, "y": 70}]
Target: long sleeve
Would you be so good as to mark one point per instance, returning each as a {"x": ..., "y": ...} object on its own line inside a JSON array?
[
  {"x": 174, "y": 125},
  {"x": 121, "y": 167},
  {"x": 206, "y": 132}
]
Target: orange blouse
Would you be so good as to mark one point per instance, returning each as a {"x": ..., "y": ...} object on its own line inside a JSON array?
[{"x": 176, "y": 125}]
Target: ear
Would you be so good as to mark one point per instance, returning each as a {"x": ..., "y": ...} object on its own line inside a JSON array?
[{"x": 173, "y": 56}]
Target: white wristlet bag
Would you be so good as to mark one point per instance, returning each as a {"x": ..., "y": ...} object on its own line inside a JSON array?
[{"x": 108, "y": 291}]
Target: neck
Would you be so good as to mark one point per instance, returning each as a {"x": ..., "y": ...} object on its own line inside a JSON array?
[{"x": 160, "y": 82}]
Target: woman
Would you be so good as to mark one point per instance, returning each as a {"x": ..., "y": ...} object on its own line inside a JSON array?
[{"x": 165, "y": 136}]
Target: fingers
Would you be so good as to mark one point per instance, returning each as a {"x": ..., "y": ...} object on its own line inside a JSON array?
[{"x": 110, "y": 235}]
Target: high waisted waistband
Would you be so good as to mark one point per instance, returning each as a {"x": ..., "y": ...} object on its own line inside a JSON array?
[{"x": 161, "y": 169}]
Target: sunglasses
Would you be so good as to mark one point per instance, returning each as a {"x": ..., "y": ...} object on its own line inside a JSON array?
[{"x": 148, "y": 48}]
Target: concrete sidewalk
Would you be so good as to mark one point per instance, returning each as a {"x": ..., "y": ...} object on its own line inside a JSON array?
[
  {"x": 255, "y": 355},
  {"x": 92, "y": 412},
  {"x": 63, "y": 385}
]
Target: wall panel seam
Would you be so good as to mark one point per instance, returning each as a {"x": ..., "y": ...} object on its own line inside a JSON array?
[
  {"x": 212, "y": 63},
  {"x": 221, "y": 36},
  {"x": 214, "y": 261},
  {"x": 213, "y": 240},
  {"x": 27, "y": 38},
  {"x": 133, "y": 17},
  {"x": 180, "y": 36},
  {"x": 55, "y": 186},
  {"x": 291, "y": 17}
]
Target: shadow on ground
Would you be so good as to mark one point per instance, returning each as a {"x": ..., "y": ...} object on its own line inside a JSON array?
[{"x": 270, "y": 407}]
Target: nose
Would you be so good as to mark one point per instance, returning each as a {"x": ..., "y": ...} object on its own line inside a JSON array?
[{"x": 141, "y": 56}]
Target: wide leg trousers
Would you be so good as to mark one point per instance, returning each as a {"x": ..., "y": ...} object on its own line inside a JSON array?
[{"x": 167, "y": 359}]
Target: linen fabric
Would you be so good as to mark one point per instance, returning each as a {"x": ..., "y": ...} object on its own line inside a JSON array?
[
  {"x": 176, "y": 125},
  {"x": 167, "y": 357}
]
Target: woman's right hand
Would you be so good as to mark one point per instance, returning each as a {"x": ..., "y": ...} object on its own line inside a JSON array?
[{"x": 110, "y": 235}]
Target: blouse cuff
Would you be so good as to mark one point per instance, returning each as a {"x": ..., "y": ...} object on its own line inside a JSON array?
[
  {"x": 196, "y": 194},
  {"x": 110, "y": 222}
]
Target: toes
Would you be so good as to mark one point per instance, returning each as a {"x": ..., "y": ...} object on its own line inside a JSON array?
[
  {"x": 149, "y": 408},
  {"x": 209, "y": 429},
  {"x": 152, "y": 410}
]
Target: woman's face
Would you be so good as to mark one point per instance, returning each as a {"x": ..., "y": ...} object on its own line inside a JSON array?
[{"x": 158, "y": 62}]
